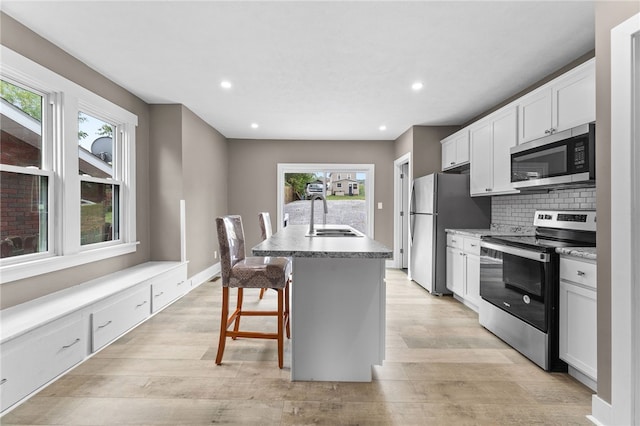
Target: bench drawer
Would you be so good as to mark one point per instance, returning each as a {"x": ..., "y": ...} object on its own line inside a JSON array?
[
  {"x": 48, "y": 352},
  {"x": 113, "y": 320},
  {"x": 168, "y": 287}
]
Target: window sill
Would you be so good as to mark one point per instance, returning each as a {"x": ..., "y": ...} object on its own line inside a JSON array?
[{"x": 56, "y": 263}]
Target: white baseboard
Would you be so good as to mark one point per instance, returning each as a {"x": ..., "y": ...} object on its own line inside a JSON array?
[
  {"x": 600, "y": 411},
  {"x": 204, "y": 276}
]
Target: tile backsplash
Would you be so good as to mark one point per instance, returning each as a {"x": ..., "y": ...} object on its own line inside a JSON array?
[{"x": 519, "y": 210}]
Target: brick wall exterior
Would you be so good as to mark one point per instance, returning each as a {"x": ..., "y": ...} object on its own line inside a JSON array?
[{"x": 19, "y": 197}]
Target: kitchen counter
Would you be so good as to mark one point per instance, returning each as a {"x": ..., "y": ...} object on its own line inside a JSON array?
[
  {"x": 293, "y": 242},
  {"x": 338, "y": 300},
  {"x": 581, "y": 252},
  {"x": 494, "y": 231}
]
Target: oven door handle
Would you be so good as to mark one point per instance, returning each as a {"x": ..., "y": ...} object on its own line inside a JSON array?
[{"x": 527, "y": 254}]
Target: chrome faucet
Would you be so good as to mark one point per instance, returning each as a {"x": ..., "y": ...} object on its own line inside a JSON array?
[{"x": 313, "y": 198}]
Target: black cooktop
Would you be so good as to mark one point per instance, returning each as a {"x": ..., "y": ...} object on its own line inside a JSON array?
[{"x": 547, "y": 240}]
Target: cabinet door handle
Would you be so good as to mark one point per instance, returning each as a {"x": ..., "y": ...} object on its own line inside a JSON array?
[
  {"x": 105, "y": 324},
  {"x": 547, "y": 132},
  {"x": 581, "y": 274},
  {"x": 141, "y": 304},
  {"x": 180, "y": 283},
  {"x": 71, "y": 344},
  {"x": 454, "y": 241},
  {"x": 488, "y": 189},
  {"x": 3, "y": 381},
  {"x": 159, "y": 294},
  {"x": 452, "y": 163},
  {"x": 473, "y": 245}
]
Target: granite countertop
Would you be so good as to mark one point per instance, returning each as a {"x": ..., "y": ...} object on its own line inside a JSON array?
[
  {"x": 293, "y": 242},
  {"x": 582, "y": 252},
  {"x": 495, "y": 230}
]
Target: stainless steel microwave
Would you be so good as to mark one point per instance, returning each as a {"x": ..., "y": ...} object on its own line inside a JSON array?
[{"x": 564, "y": 158}]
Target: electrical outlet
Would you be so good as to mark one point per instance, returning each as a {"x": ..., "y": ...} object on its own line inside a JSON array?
[{"x": 215, "y": 254}]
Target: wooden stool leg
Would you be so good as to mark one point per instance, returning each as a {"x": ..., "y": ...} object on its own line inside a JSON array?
[
  {"x": 223, "y": 324},
  {"x": 262, "y": 290},
  {"x": 236, "y": 325},
  {"x": 280, "y": 327}
]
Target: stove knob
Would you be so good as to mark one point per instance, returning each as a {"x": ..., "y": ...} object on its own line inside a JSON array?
[{"x": 526, "y": 299}]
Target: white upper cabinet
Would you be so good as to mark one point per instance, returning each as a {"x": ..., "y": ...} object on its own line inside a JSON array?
[
  {"x": 491, "y": 140},
  {"x": 566, "y": 102},
  {"x": 455, "y": 149}
]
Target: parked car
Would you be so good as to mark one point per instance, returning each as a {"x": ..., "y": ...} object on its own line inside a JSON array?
[{"x": 314, "y": 188}]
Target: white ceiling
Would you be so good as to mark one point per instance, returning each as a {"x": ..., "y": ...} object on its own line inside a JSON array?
[{"x": 318, "y": 70}]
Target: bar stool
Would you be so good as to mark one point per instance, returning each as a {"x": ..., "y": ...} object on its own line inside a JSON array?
[{"x": 241, "y": 272}]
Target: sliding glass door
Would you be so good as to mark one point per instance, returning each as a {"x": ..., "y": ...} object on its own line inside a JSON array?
[{"x": 348, "y": 189}]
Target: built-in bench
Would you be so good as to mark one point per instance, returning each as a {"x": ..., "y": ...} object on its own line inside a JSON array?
[{"x": 43, "y": 338}]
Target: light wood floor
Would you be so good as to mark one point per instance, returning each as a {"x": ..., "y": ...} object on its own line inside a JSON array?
[{"x": 441, "y": 368}]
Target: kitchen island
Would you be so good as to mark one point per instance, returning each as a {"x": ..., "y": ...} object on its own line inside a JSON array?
[{"x": 338, "y": 302}]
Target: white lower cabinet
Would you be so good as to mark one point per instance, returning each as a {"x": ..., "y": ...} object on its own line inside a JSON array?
[
  {"x": 43, "y": 338},
  {"x": 463, "y": 268},
  {"x": 32, "y": 360},
  {"x": 168, "y": 287},
  {"x": 578, "y": 323},
  {"x": 118, "y": 316}
]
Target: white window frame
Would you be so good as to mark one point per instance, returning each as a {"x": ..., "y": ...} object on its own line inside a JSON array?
[
  {"x": 64, "y": 99},
  {"x": 368, "y": 169}
]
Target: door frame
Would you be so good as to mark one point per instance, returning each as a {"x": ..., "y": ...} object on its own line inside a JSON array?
[
  {"x": 397, "y": 207},
  {"x": 625, "y": 226}
]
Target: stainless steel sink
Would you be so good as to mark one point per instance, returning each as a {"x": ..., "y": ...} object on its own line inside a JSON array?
[{"x": 335, "y": 232}]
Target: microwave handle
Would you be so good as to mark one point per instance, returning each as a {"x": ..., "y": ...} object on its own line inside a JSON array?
[{"x": 527, "y": 254}]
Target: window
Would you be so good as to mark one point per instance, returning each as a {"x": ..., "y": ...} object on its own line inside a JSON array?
[
  {"x": 67, "y": 162},
  {"x": 99, "y": 192},
  {"x": 353, "y": 207},
  {"x": 24, "y": 180}
]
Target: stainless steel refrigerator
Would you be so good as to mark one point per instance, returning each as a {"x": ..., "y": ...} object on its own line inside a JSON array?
[{"x": 440, "y": 201}]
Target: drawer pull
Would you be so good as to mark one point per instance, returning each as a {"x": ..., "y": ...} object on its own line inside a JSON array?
[
  {"x": 180, "y": 283},
  {"x": 71, "y": 344},
  {"x": 454, "y": 241},
  {"x": 3, "y": 381},
  {"x": 105, "y": 324},
  {"x": 141, "y": 304},
  {"x": 159, "y": 294},
  {"x": 581, "y": 274},
  {"x": 473, "y": 245}
]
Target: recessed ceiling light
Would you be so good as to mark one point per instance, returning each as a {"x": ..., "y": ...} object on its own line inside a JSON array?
[
  {"x": 225, "y": 84},
  {"x": 254, "y": 125},
  {"x": 417, "y": 86},
  {"x": 382, "y": 128}
]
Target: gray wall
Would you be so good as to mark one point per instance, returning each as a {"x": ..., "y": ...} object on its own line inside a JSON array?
[
  {"x": 608, "y": 15},
  {"x": 165, "y": 171},
  {"x": 22, "y": 40},
  {"x": 188, "y": 162},
  {"x": 427, "y": 149},
  {"x": 204, "y": 175},
  {"x": 253, "y": 176},
  {"x": 423, "y": 142}
]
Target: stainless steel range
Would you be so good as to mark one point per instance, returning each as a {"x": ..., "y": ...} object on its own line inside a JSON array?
[{"x": 519, "y": 283}]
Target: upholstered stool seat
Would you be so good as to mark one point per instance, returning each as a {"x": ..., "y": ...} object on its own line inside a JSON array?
[
  {"x": 239, "y": 271},
  {"x": 260, "y": 272}
]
